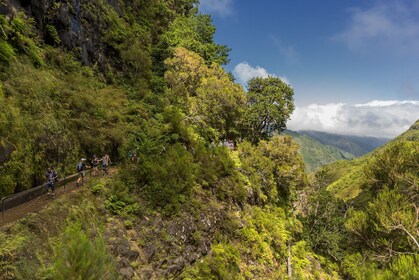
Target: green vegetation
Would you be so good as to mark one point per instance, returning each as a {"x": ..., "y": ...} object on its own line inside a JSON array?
[
  {"x": 270, "y": 104},
  {"x": 355, "y": 145},
  {"x": 190, "y": 207},
  {"x": 375, "y": 224},
  {"x": 316, "y": 154},
  {"x": 68, "y": 240},
  {"x": 76, "y": 256}
]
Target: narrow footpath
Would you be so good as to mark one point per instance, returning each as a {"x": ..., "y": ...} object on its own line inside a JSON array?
[{"x": 40, "y": 202}]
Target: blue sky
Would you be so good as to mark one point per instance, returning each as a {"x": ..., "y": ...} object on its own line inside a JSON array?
[{"x": 341, "y": 57}]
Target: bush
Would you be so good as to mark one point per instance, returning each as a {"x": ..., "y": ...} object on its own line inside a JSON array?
[
  {"x": 222, "y": 263},
  {"x": 170, "y": 178},
  {"x": 78, "y": 257},
  {"x": 97, "y": 189}
]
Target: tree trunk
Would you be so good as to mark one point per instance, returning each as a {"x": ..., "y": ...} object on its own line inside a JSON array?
[{"x": 289, "y": 266}]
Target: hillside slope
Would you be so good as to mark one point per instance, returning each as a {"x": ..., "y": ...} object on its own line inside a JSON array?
[
  {"x": 354, "y": 145},
  {"x": 365, "y": 211},
  {"x": 316, "y": 154},
  {"x": 187, "y": 206},
  {"x": 349, "y": 177}
]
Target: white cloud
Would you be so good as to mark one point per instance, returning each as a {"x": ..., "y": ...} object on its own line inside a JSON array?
[
  {"x": 392, "y": 25},
  {"x": 222, "y": 8},
  {"x": 376, "y": 118},
  {"x": 386, "y": 103},
  {"x": 244, "y": 72}
]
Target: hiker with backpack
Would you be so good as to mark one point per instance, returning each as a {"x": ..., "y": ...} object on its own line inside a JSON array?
[
  {"x": 106, "y": 161},
  {"x": 52, "y": 178},
  {"x": 81, "y": 166}
]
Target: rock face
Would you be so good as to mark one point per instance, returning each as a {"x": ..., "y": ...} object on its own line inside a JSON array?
[
  {"x": 159, "y": 248},
  {"x": 75, "y": 22}
]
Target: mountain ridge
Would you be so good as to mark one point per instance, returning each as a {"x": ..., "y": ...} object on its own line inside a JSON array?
[
  {"x": 316, "y": 154},
  {"x": 356, "y": 145}
]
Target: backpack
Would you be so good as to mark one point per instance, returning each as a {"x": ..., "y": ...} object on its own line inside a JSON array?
[
  {"x": 55, "y": 177},
  {"x": 79, "y": 166}
]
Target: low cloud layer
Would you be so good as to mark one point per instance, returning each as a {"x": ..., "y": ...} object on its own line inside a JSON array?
[
  {"x": 376, "y": 118},
  {"x": 221, "y": 8},
  {"x": 393, "y": 25},
  {"x": 244, "y": 72}
]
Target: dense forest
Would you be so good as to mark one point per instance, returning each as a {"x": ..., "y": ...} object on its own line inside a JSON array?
[{"x": 79, "y": 78}]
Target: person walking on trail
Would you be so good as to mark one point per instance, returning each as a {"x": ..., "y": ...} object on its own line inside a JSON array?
[
  {"x": 95, "y": 164},
  {"x": 51, "y": 177},
  {"x": 81, "y": 167},
  {"x": 106, "y": 161},
  {"x": 134, "y": 158}
]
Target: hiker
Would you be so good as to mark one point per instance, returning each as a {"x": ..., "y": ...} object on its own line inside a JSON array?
[
  {"x": 134, "y": 158},
  {"x": 95, "y": 164},
  {"x": 106, "y": 161},
  {"x": 81, "y": 166},
  {"x": 51, "y": 177}
]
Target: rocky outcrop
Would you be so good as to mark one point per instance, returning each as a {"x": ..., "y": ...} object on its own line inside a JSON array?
[
  {"x": 157, "y": 248},
  {"x": 72, "y": 24}
]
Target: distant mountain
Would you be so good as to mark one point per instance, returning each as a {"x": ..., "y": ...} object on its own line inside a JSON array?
[
  {"x": 355, "y": 145},
  {"x": 316, "y": 154}
]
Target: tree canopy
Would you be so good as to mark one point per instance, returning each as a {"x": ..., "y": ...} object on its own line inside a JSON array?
[{"x": 269, "y": 105}]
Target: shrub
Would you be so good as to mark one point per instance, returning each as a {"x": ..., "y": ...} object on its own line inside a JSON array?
[
  {"x": 98, "y": 189},
  {"x": 78, "y": 257},
  {"x": 222, "y": 263},
  {"x": 7, "y": 53},
  {"x": 171, "y": 178}
]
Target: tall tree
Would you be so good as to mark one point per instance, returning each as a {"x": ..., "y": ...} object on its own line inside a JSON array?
[
  {"x": 269, "y": 105},
  {"x": 207, "y": 96}
]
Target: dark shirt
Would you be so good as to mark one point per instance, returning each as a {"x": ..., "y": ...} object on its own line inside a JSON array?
[
  {"x": 83, "y": 166},
  {"x": 51, "y": 176}
]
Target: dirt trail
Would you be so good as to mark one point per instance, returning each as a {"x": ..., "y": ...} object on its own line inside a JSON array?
[{"x": 40, "y": 202}]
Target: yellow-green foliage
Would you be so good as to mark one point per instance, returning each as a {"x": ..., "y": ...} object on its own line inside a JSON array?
[
  {"x": 349, "y": 178},
  {"x": 11, "y": 247},
  {"x": 195, "y": 32},
  {"x": 265, "y": 235},
  {"x": 274, "y": 168},
  {"x": 356, "y": 222},
  {"x": 257, "y": 252},
  {"x": 210, "y": 101},
  {"x": 258, "y": 249},
  {"x": 305, "y": 264},
  {"x": 221, "y": 263},
  {"x": 7, "y": 53},
  {"x": 389, "y": 220},
  {"x": 402, "y": 267},
  {"x": 76, "y": 256},
  {"x": 57, "y": 242},
  {"x": 52, "y": 114},
  {"x": 19, "y": 31},
  {"x": 384, "y": 220},
  {"x": 394, "y": 165},
  {"x": 354, "y": 266}
]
